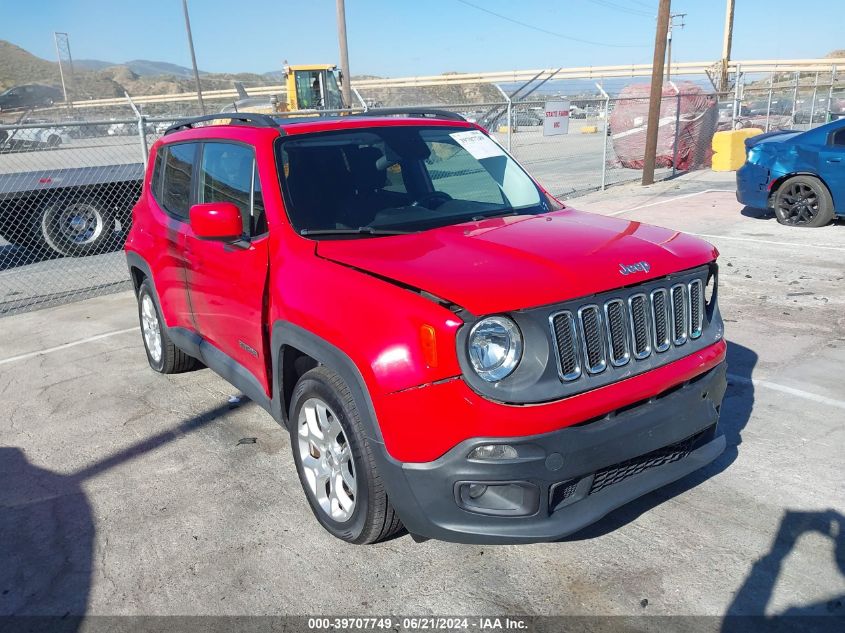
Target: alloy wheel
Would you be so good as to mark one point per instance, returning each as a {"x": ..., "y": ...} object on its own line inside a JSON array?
[
  {"x": 799, "y": 204},
  {"x": 327, "y": 460},
  {"x": 150, "y": 327}
]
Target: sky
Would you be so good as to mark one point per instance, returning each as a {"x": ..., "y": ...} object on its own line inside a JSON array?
[{"x": 417, "y": 37}]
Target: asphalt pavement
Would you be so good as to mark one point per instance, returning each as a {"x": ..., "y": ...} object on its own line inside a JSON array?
[{"x": 127, "y": 493}]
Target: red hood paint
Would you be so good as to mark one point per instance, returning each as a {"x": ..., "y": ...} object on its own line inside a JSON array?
[{"x": 505, "y": 264}]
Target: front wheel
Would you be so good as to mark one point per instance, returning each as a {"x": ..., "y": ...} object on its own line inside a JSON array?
[
  {"x": 803, "y": 201},
  {"x": 335, "y": 462}
]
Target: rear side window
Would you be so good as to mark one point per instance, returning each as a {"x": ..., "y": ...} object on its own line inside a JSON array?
[
  {"x": 155, "y": 184},
  {"x": 227, "y": 174},
  {"x": 176, "y": 187},
  {"x": 838, "y": 138}
]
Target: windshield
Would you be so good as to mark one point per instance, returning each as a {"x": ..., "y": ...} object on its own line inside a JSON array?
[{"x": 400, "y": 178}]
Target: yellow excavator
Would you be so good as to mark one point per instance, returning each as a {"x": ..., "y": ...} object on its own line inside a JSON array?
[{"x": 309, "y": 87}]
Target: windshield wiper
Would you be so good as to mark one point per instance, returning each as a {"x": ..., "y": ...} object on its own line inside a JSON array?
[
  {"x": 496, "y": 214},
  {"x": 361, "y": 230}
]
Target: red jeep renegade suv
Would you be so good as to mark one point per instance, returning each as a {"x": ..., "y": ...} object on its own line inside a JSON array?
[{"x": 451, "y": 349}]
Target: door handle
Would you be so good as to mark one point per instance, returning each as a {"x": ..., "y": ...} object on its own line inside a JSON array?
[{"x": 834, "y": 160}]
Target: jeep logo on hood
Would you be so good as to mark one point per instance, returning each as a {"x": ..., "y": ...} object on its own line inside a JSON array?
[{"x": 639, "y": 267}]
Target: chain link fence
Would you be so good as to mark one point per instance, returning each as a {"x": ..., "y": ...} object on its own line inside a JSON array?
[
  {"x": 66, "y": 195},
  {"x": 67, "y": 187}
]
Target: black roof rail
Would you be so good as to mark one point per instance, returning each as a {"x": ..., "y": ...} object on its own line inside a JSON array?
[
  {"x": 249, "y": 118},
  {"x": 426, "y": 113}
]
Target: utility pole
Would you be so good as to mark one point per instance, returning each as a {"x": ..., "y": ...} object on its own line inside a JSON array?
[
  {"x": 193, "y": 56},
  {"x": 656, "y": 97},
  {"x": 346, "y": 87},
  {"x": 726, "y": 46},
  {"x": 62, "y": 41},
  {"x": 669, "y": 42}
]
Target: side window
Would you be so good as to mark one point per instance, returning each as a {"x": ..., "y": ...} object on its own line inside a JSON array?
[
  {"x": 259, "y": 220},
  {"x": 227, "y": 174},
  {"x": 838, "y": 138},
  {"x": 155, "y": 182},
  {"x": 178, "y": 170}
]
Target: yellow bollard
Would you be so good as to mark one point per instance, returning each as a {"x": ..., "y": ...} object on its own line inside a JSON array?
[
  {"x": 589, "y": 129},
  {"x": 729, "y": 148}
]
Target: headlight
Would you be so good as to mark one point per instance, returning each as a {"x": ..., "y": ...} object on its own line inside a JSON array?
[{"x": 495, "y": 348}]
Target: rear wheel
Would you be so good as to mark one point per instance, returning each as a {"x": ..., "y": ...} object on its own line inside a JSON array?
[
  {"x": 163, "y": 356},
  {"x": 335, "y": 461},
  {"x": 803, "y": 201}
]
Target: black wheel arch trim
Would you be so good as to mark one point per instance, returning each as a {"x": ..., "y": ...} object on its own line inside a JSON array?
[{"x": 285, "y": 333}]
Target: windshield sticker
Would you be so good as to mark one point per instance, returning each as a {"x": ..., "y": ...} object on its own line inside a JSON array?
[{"x": 478, "y": 144}]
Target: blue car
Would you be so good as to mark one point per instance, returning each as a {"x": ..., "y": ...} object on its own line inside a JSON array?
[{"x": 801, "y": 175}]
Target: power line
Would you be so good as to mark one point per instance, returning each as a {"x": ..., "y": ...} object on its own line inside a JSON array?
[
  {"x": 622, "y": 8},
  {"x": 648, "y": 6},
  {"x": 552, "y": 33}
]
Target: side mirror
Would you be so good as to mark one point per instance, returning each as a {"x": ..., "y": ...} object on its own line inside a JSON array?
[{"x": 219, "y": 221}]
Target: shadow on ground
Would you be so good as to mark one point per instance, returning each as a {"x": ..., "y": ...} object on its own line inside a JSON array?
[
  {"x": 47, "y": 531},
  {"x": 758, "y": 214},
  {"x": 753, "y": 597},
  {"x": 13, "y": 256}
]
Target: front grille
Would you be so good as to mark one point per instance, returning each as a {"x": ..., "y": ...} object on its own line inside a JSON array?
[
  {"x": 566, "y": 338},
  {"x": 616, "y": 321},
  {"x": 591, "y": 336},
  {"x": 696, "y": 308},
  {"x": 620, "y": 330},
  {"x": 679, "y": 315},
  {"x": 660, "y": 313},
  {"x": 640, "y": 341},
  {"x": 666, "y": 455}
]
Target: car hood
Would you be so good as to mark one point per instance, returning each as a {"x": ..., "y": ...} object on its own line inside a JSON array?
[
  {"x": 775, "y": 136},
  {"x": 506, "y": 264}
]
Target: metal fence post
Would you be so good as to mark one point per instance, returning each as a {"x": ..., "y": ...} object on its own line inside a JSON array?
[
  {"x": 142, "y": 129},
  {"x": 813, "y": 104},
  {"x": 830, "y": 93},
  {"x": 606, "y": 128},
  {"x": 677, "y": 133},
  {"x": 769, "y": 104},
  {"x": 509, "y": 100},
  {"x": 794, "y": 98},
  {"x": 737, "y": 78},
  {"x": 510, "y": 123},
  {"x": 142, "y": 133}
]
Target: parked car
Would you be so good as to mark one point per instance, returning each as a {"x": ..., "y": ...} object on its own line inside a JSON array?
[
  {"x": 520, "y": 119},
  {"x": 29, "y": 96},
  {"x": 801, "y": 175},
  {"x": 33, "y": 138},
  {"x": 577, "y": 113},
  {"x": 451, "y": 348}
]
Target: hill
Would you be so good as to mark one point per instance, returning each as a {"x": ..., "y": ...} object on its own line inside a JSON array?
[
  {"x": 141, "y": 67},
  {"x": 95, "y": 79}
]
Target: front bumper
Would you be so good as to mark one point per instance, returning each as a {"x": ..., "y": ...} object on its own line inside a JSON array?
[
  {"x": 752, "y": 186},
  {"x": 571, "y": 477}
]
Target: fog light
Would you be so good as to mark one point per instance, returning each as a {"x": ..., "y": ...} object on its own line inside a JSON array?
[
  {"x": 476, "y": 490},
  {"x": 493, "y": 451},
  {"x": 518, "y": 498}
]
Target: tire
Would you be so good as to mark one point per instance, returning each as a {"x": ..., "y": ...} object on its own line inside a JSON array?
[
  {"x": 163, "y": 356},
  {"x": 803, "y": 201},
  {"x": 54, "y": 140},
  {"x": 78, "y": 228},
  {"x": 340, "y": 466}
]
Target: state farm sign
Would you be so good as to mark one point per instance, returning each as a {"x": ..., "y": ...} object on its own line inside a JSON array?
[{"x": 556, "y": 120}]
